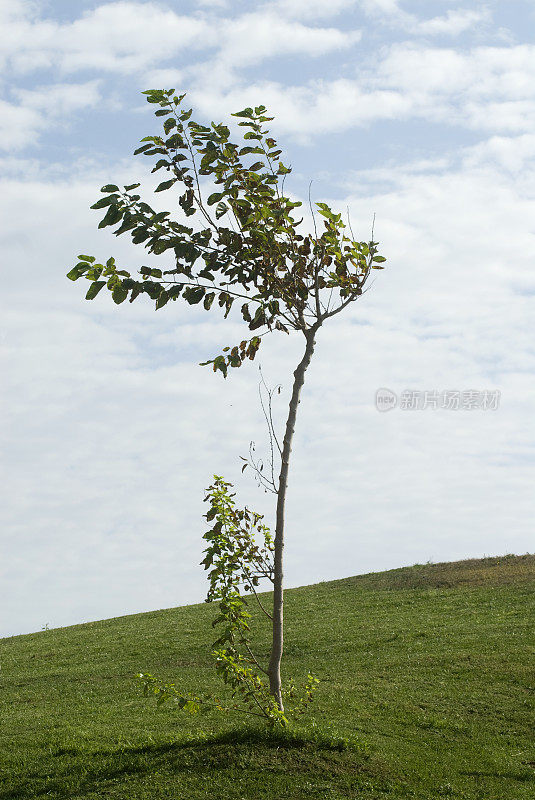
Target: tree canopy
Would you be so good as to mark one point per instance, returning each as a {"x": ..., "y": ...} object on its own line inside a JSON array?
[{"x": 246, "y": 246}]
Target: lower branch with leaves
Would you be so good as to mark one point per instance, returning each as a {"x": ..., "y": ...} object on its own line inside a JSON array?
[{"x": 236, "y": 561}]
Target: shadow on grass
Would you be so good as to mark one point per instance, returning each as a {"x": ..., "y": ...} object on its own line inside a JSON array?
[
  {"x": 75, "y": 771},
  {"x": 279, "y": 739}
]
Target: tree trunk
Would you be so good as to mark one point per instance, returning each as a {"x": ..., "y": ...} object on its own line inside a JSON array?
[{"x": 276, "y": 649}]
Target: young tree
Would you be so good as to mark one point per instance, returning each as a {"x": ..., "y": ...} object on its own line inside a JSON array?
[{"x": 248, "y": 248}]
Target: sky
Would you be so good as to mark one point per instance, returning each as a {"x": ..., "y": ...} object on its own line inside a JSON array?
[{"x": 422, "y": 113}]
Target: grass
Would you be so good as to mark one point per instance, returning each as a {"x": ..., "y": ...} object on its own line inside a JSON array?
[{"x": 427, "y": 691}]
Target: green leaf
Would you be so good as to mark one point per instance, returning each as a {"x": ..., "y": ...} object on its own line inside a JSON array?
[
  {"x": 174, "y": 291},
  {"x": 87, "y": 258},
  {"x": 378, "y": 259},
  {"x": 193, "y": 294},
  {"x": 94, "y": 273},
  {"x": 160, "y": 216},
  {"x": 94, "y": 289},
  {"x": 176, "y": 141},
  {"x": 247, "y": 112},
  {"x": 163, "y": 298},
  {"x": 105, "y": 201},
  {"x": 221, "y": 364},
  {"x": 152, "y": 289},
  {"x": 325, "y": 211},
  {"x": 142, "y": 148},
  {"x": 169, "y": 124},
  {"x": 137, "y": 289},
  {"x": 208, "y": 300},
  {"x": 246, "y": 150},
  {"x": 112, "y": 216},
  {"x": 110, "y": 187},
  {"x": 127, "y": 224},
  {"x": 165, "y": 185},
  {"x": 162, "y": 162},
  {"x": 215, "y": 198},
  {"x": 160, "y": 246},
  {"x": 140, "y": 235},
  {"x": 221, "y": 209},
  {"x": 119, "y": 293},
  {"x": 75, "y": 273}
]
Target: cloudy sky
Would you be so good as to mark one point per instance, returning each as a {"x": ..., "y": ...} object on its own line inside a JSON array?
[{"x": 422, "y": 112}]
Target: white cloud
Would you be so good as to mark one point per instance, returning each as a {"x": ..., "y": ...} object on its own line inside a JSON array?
[
  {"x": 42, "y": 108},
  {"x": 61, "y": 98},
  {"x": 121, "y": 36},
  {"x": 423, "y": 70},
  {"x": 253, "y": 38},
  {"x": 487, "y": 88},
  {"x": 19, "y": 126},
  {"x": 310, "y": 9},
  {"x": 150, "y": 34},
  {"x": 306, "y": 111},
  {"x": 129, "y": 37},
  {"x": 164, "y": 78},
  {"x": 513, "y": 153},
  {"x": 15, "y": 9},
  {"x": 513, "y": 116},
  {"x": 504, "y": 72},
  {"x": 453, "y": 23},
  {"x": 388, "y": 7}
]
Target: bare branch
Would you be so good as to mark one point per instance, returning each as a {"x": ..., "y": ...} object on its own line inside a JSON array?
[
  {"x": 257, "y": 467},
  {"x": 268, "y": 415},
  {"x": 254, "y": 659},
  {"x": 260, "y": 604},
  {"x": 194, "y": 164},
  {"x": 349, "y": 224}
]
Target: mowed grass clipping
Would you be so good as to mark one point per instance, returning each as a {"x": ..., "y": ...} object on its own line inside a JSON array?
[{"x": 427, "y": 691}]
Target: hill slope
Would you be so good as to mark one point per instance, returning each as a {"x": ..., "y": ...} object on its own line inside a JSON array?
[{"x": 429, "y": 669}]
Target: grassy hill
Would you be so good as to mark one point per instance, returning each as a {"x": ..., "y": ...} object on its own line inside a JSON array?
[{"x": 427, "y": 691}]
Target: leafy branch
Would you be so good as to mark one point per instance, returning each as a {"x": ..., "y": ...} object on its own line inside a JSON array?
[{"x": 235, "y": 559}]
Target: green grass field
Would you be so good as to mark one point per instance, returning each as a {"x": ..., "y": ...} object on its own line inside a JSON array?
[{"x": 427, "y": 691}]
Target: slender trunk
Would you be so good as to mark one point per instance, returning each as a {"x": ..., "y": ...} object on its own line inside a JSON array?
[{"x": 276, "y": 649}]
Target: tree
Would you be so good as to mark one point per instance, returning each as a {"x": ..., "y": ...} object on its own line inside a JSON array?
[{"x": 248, "y": 248}]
